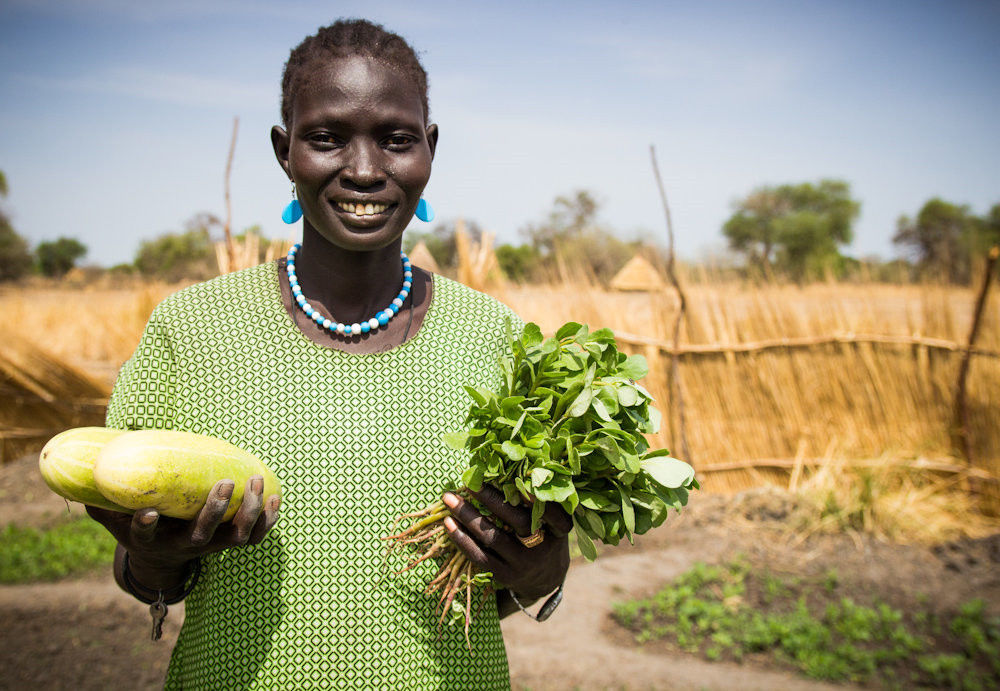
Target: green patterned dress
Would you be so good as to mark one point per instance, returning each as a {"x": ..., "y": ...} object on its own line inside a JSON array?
[{"x": 356, "y": 441}]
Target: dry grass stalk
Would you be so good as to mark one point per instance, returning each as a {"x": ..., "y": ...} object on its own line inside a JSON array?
[
  {"x": 477, "y": 263},
  {"x": 246, "y": 252}
]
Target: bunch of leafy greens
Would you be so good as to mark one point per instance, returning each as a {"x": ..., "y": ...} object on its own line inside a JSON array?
[{"x": 567, "y": 426}]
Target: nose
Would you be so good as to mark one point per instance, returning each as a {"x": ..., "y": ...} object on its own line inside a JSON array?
[{"x": 364, "y": 165}]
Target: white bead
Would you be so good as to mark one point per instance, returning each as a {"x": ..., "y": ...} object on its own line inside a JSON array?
[
  {"x": 407, "y": 284},
  {"x": 373, "y": 322},
  {"x": 326, "y": 323},
  {"x": 397, "y": 302},
  {"x": 355, "y": 329},
  {"x": 340, "y": 328}
]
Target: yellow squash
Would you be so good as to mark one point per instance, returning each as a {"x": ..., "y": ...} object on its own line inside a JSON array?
[
  {"x": 173, "y": 472},
  {"x": 67, "y": 465}
]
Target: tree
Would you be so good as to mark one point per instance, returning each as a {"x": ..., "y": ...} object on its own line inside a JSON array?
[
  {"x": 796, "y": 228},
  {"x": 941, "y": 239},
  {"x": 15, "y": 258},
  {"x": 572, "y": 235},
  {"x": 175, "y": 256},
  {"x": 57, "y": 258}
]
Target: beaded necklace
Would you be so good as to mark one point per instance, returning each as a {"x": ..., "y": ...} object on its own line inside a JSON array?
[{"x": 379, "y": 320}]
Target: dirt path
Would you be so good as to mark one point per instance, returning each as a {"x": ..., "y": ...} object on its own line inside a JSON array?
[{"x": 48, "y": 638}]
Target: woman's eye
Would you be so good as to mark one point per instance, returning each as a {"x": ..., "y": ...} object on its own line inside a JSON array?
[
  {"x": 398, "y": 141},
  {"x": 324, "y": 138}
]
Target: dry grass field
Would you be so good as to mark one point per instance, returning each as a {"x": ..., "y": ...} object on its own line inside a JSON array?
[{"x": 780, "y": 383}]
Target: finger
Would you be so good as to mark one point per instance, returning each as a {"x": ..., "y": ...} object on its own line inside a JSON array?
[
  {"x": 472, "y": 551},
  {"x": 115, "y": 522},
  {"x": 211, "y": 514},
  {"x": 559, "y": 522},
  {"x": 144, "y": 524},
  {"x": 246, "y": 517},
  {"x": 484, "y": 531},
  {"x": 516, "y": 517},
  {"x": 266, "y": 520}
]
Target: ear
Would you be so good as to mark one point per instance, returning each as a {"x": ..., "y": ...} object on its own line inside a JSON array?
[
  {"x": 432, "y": 138},
  {"x": 281, "y": 143}
]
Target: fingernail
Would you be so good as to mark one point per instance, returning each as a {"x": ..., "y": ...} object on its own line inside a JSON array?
[
  {"x": 225, "y": 490},
  {"x": 148, "y": 519},
  {"x": 449, "y": 524},
  {"x": 450, "y": 500},
  {"x": 257, "y": 486},
  {"x": 275, "y": 503}
]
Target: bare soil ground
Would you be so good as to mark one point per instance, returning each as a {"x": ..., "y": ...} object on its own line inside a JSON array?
[{"x": 84, "y": 633}]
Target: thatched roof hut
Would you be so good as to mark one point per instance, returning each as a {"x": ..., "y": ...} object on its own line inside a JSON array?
[
  {"x": 637, "y": 274},
  {"x": 40, "y": 396},
  {"x": 422, "y": 257}
]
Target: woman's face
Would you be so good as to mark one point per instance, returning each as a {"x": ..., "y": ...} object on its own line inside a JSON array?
[{"x": 358, "y": 151}]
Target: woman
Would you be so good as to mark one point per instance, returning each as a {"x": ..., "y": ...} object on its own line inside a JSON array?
[{"x": 350, "y": 422}]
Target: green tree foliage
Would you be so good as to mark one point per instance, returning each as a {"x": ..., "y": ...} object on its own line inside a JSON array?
[
  {"x": 15, "y": 258},
  {"x": 571, "y": 238},
  {"x": 518, "y": 262},
  {"x": 943, "y": 238},
  {"x": 57, "y": 258},
  {"x": 185, "y": 255},
  {"x": 797, "y": 229}
]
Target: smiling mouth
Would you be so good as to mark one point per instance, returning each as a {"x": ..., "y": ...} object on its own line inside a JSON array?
[{"x": 360, "y": 210}]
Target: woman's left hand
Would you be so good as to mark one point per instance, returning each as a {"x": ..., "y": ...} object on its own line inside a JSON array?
[{"x": 529, "y": 572}]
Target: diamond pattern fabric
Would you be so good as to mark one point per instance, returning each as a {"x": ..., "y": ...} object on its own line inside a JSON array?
[{"x": 356, "y": 441}]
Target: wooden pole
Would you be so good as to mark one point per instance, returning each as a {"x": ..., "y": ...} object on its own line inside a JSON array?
[
  {"x": 960, "y": 425},
  {"x": 674, "y": 384},
  {"x": 227, "y": 229}
]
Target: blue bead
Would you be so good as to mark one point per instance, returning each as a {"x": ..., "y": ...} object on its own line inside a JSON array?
[
  {"x": 382, "y": 319},
  {"x": 402, "y": 295},
  {"x": 365, "y": 327},
  {"x": 394, "y": 309}
]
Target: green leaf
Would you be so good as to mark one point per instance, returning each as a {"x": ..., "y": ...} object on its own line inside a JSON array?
[
  {"x": 514, "y": 452},
  {"x": 594, "y": 522},
  {"x": 585, "y": 543},
  {"x": 455, "y": 440},
  {"x": 653, "y": 426},
  {"x": 539, "y": 476},
  {"x": 634, "y": 367},
  {"x": 480, "y": 396},
  {"x": 627, "y": 395},
  {"x": 532, "y": 335},
  {"x": 596, "y": 502},
  {"x": 567, "y": 329},
  {"x": 600, "y": 409},
  {"x": 628, "y": 513},
  {"x": 520, "y": 422},
  {"x": 473, "y": 478},
  {"x": 581, "y": 404},
  {"x": 668, "y": 472},
  {"x": 537, "y": 510}
]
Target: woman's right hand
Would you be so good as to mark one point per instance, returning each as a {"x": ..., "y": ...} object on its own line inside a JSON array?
[{"x": 159, "y": 547}]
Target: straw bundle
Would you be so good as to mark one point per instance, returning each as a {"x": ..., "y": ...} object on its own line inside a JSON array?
[
  {"x": 41, "y": 396},
  {"x": 247, "y": 252},
  {"x": 422, "y": 257},
  {"x": 638, "y": 275},
  {"x": 477, "y": 264}
]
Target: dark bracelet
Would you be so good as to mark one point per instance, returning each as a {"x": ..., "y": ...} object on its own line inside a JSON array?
[
  {"x": 169, "y": 596},
  {"x": 546, "y": 609}
]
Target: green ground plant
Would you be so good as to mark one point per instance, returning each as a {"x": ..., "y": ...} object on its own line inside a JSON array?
[
  {"x": 72, "y": 547},
  {"x": 733, "y": 611}
]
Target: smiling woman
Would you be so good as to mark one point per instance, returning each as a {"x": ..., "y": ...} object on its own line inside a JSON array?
[{"x": 350, "y": 422}]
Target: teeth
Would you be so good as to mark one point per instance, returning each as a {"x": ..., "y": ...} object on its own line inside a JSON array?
[{"x": 362, "y": 209}]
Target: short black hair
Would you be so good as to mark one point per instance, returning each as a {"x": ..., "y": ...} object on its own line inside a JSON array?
[{"x": 348, "y": 38}]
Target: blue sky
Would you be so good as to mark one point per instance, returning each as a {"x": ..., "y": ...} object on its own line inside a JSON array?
[{"x": 116, "y": 115}]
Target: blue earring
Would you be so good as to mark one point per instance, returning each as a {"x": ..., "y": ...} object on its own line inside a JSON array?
[
  {"x": 425, "y": 212},
  {"x": 293, "y": 211}
]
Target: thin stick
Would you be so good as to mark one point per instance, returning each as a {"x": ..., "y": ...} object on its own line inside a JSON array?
[
  {"x": 674, "y": 385},
  {"x": 227, "y": 229},
  {"x": 961, "y": 421}
]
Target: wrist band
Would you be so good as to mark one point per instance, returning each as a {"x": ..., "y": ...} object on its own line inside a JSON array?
[
  {"x": 547, "y": 609},
  {"x": 169, "y": 596},
  {"x": 158, "y": 603}
]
